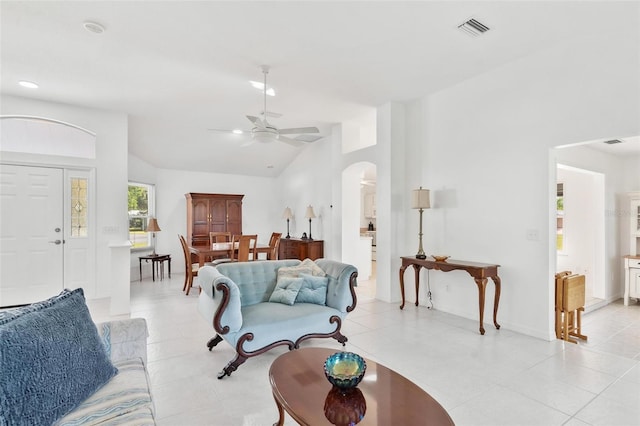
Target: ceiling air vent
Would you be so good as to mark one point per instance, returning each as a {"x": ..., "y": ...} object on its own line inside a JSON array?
[
  {"x": 613, "y": 141},
  {"x": 473, "y": 27}
]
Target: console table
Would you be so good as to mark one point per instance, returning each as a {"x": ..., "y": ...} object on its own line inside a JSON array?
[
  {"x": 156, "y": 260},
  {"x": 479, "y": 271}
]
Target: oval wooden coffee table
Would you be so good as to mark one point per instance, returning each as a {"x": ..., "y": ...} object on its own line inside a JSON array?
[{"x": 384, "y": 397}]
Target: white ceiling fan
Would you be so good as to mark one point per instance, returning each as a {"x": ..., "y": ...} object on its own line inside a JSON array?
[{"x": 265, "y": 132}]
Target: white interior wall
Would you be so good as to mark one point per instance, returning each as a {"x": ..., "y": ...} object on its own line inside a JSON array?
[
  {"x": 308, "y": 181},
  {"x": 350, "y": 217},
  {"x": 140, "y": 171},
  {"x": 494, "y": 161},
  {"x": 631, "y": 165},
  {"x": 581, "y": 227}
]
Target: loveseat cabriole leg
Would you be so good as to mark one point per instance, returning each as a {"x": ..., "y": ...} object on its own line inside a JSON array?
[
  {"x": 214, "y": 341},
  {"x": 232, "y": 366},
  {"x": 341, "y": 338}
]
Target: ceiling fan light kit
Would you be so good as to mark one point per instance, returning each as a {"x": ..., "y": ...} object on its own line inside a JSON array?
[{"x": 265, "y": 135}]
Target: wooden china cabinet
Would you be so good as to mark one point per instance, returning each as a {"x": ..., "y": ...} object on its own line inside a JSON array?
[{"x": 212, "y": 213}]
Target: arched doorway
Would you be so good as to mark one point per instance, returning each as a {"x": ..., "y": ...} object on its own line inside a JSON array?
[{"x": 358, "y": 211}]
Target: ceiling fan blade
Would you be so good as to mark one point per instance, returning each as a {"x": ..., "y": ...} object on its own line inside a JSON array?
[
  {"x": 298, "y": 130},
  {"x": 308, "y": 138},
  {"x": 256, "y": 121},
  {"x": 235, "y": 131},
  {"x": 271, "y": 114},
  {"x": 290, "y": 141}
]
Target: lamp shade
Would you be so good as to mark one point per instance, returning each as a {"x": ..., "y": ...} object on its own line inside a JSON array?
[
  {"x": 310, "y": 214},
  {"x": 153, "y": 225},
  {"x": 287, "y": 214},
  {"x": 420, "y": 199}
]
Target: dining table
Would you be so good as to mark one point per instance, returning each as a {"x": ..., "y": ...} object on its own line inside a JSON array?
[{"x": 202, "y": 252}]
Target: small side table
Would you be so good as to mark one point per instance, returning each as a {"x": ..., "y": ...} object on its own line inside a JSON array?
[{"x": 157, "y": 262}]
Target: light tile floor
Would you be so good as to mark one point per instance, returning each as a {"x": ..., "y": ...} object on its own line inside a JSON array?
[{"x": 501, "y": 378}]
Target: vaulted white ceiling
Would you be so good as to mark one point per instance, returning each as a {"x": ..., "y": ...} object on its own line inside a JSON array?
[{"x": 179, "y": 68}]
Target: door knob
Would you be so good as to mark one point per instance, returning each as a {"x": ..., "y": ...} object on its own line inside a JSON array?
[{"x": 56, "y": 242}]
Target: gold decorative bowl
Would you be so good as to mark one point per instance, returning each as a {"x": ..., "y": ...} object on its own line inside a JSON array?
[{"x": 440, "y": 258}]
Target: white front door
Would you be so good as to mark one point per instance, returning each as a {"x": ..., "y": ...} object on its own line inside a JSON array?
[{"x": 31, "y": 234}]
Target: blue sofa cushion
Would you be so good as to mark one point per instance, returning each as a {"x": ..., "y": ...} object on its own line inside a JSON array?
[
  {"x": 286, "y": 290},
  {"x": 313, "y": 290},
  {"x": 51, "y": 359}
]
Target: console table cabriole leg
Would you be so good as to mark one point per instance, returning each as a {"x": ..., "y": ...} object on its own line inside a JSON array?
[
  {"x": 416, "y": 269},
  {"x": 402, "y": 269},
  {"x": 496, "y": 301},
  {"x": 280, "y": 421},
  {"x": 482, "y": 284}
]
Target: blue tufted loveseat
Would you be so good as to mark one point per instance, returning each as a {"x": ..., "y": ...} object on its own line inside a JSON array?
[{"x": 235, "y": 300}]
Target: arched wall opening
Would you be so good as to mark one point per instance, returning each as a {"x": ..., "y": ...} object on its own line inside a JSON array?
[{"x": 355, "y": 250}]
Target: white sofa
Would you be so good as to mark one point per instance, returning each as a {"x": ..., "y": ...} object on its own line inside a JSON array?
[{"x": 126, "y": 398}]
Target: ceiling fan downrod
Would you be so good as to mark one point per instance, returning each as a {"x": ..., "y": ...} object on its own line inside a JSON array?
[{"x": 265, "y": 71}]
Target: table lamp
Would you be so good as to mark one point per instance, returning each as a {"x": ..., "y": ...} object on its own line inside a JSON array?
[
  {"x": 310, "y": 215},
  {"x": 420, "y": 200},
  {"x": 288, "y": 214},
  {"x": 153, "y": 227}
]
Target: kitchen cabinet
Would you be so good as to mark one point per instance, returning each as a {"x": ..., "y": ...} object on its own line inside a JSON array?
[
  {"x": 370, "y": 206},
  {"x": 296, "y": 248},
  {"x": 631, "y": 278},
  {"x": 631, "y": 238},
  {"x": 212, "y": 213}
]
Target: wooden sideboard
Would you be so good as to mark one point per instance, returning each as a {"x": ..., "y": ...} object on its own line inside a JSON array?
[
  {"x": 296, "y": 248},
  {"x": 212, "y": 213}
]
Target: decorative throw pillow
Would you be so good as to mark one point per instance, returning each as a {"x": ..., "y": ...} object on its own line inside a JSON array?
[
  {"x": 51, "y": 359},
  {"x": 286, "y": 290},
  {"x": 315, "y": 269},
  {"x": 293, "y": 271},
  {"x": 313, "y": 290}
]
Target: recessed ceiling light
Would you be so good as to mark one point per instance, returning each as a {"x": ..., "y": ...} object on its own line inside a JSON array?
[
  {"x": 93, "y": 27},
  {"x": 28, "y": 84},
  {"x": 237, "y": 131},
  {"x": 260, "y": 86}
]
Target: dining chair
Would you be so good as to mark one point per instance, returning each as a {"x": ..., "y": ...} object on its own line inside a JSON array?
[
  {"x": 191, "y": 269},
  {"x": 219, "y": 237},
  {"x": 230, "y": 257},
  {"x": 274, "y": 244},
  {"x": 247, "y": 246}
]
